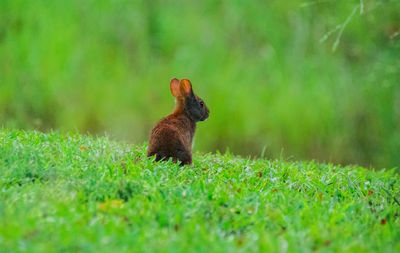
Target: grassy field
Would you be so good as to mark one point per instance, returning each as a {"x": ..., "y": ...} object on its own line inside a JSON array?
[
  {"x": 74, "y": 193},
  {"x": 267, "y": 70}
]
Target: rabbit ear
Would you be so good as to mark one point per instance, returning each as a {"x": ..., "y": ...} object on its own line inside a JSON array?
[
  {"x": 175, "y": 89},
  {"x": 186, "y": 87}
]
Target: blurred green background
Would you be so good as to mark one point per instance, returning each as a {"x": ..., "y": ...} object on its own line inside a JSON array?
[{"x": 302, "y": 79}]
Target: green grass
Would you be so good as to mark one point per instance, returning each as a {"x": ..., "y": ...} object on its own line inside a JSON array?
[{"x": 74, "y": 193}]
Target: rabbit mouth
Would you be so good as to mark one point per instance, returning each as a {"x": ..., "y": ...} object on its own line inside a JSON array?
[{"x": 205, "y": 116}]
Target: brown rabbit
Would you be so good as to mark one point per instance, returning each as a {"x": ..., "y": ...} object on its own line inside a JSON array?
[{"x": 173, "y": 135}]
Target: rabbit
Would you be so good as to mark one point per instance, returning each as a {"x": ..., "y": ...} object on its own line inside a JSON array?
[{"x": 173, "y": 135}]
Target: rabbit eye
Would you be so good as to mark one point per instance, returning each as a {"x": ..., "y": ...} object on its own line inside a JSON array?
[{"x": 201, "y": 103}]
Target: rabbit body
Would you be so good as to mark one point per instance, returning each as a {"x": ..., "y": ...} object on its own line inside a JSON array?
[{"x": 172, "y": 136}]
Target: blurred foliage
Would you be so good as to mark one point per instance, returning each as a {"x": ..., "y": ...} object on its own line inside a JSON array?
[{"x": 308, "y": 79}]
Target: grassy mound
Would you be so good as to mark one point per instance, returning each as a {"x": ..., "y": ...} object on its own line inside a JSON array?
[{"x": 74, "y": 193}]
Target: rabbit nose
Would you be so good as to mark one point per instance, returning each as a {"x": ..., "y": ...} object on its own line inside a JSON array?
[{"x": 205, "y": 115}]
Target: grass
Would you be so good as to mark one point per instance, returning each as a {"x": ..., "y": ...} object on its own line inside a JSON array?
[{"x": 74, "y": 193}]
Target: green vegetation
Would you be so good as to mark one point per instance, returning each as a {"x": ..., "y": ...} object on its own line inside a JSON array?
[
  {"x": 267, "y": 70},
  {"x": 74, "y": 193}
]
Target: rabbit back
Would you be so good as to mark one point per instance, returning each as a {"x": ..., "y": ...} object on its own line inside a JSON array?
[{"x": 172, "y": 138}]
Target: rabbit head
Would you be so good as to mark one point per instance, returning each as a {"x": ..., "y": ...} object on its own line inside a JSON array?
[{"x": 187, "y": 102}]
